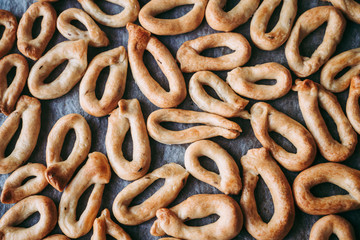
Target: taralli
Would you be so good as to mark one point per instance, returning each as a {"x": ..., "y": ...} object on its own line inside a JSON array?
[
  {"x": 93, "y": 35},
  {"x": 128, "y": 116},
  {"x": 259, "y": 162},
  {"x": 335, "y": 173},
  {"x": 128, "y": 14},
  {"x": 28, "y": 111},
  {"x": 59, "y": 171},
  {"x": 352, "y": 104},
  {"x": 265, "y": 119},
  {"x": 187, "y": 23},
  {"x": 10, "y": 94},
  {"x": 175, "y": 179},
  {"x": 73, "y": 51},
  {"x": 243, "y": 81},
  {"x": 13, "y": 189},
  {"x": 231, "y": 105},
  {"x": 332, "y": 224},
  {"x": 311, "y": 95},
  {"x": 279, "y": 34},
  {"x": 308, "y": 22},
  {"x": 104, "y": 225},
  {"x": 220, "y": 20},
  {"x": 8, "y": 20},
  {"x": 117, "y": 61},
  {"x": 214, "y": 126},
  {"x": 191, "y": 61},
  {"x": 95, "y": 172},
  {"x": 228, "y": 181},
  {"x": 350, "y": 8},
  {"x": 21, "y": 211},
  {"x": 33, "y": 48},
  {"x": 171, "y": 221},
  {"x": 57, "y": 237},
  {"x": 141, "y": 40}
]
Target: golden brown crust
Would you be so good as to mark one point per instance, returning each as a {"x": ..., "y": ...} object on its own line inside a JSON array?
[
  {"x": 350, "y": 8},
  {"x": 57, "y": 237},
  {"x": 8, "y": 20},
  {"x": 352, "y": 104},
  {"x": 332, "y": 224}
]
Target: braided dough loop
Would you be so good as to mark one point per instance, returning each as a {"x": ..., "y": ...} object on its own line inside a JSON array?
[
  {"x": 59, "y": 171},
  {"x": 308, "y": 22},
  {"x": 332, "y": 224},
  {"x": 95, "y": 172},
  {"x": 8, "y": 20},
  {"x": 171, "y": 221},
  {"x": 28, "y": 110},
  {"x": 352, "y": 104},
  {"x": 190, "y": 59},
  {"x": 350, "y": 8},
  {"x": 117, "y": 61},
  {"x": 175, "y": 179},
  {"x": 259, "y": 162},
  {"x": 335, "y": 173},
  {"x": 311, "y": 95},
  {"x": 33, "y": 48},
  {"x": 57, "y": 237},
  {"x": 9, "y": 95}
]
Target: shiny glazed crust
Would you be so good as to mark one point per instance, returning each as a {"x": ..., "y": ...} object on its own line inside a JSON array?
[
  {"x": 8, "y": 20},
  {"x": 332, "y": 224}
]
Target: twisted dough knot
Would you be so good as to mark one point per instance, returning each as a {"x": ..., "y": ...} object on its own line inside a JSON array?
[{"x": 332, "y": 224}]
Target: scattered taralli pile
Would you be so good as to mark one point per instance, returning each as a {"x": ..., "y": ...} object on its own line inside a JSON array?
[{"x": 82, "y": 170}]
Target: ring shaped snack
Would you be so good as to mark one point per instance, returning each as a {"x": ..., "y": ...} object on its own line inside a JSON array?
[
  {"x": 350, "y": 8},
  {"x": 311, "y": 95},
  {"x": 259, "y": 162},
  {"x": 187, "y": 23},
  {"x": 10, "y": 94},
  {"x": 335, "y": 173},
  {"x": 190, "y": 59},
  {"x": 94, "y": 35},
  {"x": 352, "y": 104},
  {"x": 141, "y": 40},
  {"x": 96, "y": 171},
  {"x": 220, "y": 20},
  {"x": 228, "y": 181},
  {"x": 128, "y": 14},
  {"x": 279, "y": 34},
  {"x": 117, "y": 61},
  {"x": 8, "y": 20},
  {"x": 14, "y": 190},
  {"x": 28, "y": 111},
  {"x": 33, "y": 48},
  {"x": 308, "y": 22},
  {"x": 128, "y": 116},
  {"x": 215, "y": 125},
  {"x": 76, "y": 54},
  {"x": 57, "y": 237},
  {"x": 332, "y": 224},
  {"x": 24, "y": 209},
  {"x": 265, "y": 119},
  {"x": 243, "y": 81},
  {"x": 171, "y": 221},
  {"x": 231, "y": 105},
  {"x": 59, "y": 171},
  {"x": 175, "y": 179}
]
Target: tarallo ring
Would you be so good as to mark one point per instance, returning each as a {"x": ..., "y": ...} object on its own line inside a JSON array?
[
  {"x": 8, "y": 20},
  {"x": 350, "y": 8},
  {"x": 332, "y": 224},
  {"x": 352, "y": 104}
]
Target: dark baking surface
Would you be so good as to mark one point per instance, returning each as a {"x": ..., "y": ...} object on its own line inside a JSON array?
[{"x": 52, "y": 110}]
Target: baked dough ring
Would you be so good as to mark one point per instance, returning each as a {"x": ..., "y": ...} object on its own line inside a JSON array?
[
  {"x": 259, "y": 162},
  {"x": 8, "y": 20},
  {"x": 95, "y": 172},
  {"x": 265, "y": 119},
  {"x": 220, "y": 20},
  {"x": 231, "y": 105},
  {"x": 73, "y": 51},
  {"x": 117, "y": 61},
  {"x": 308, "y": 22},
  {"x": 190, "y": 59},
  {"x": 93, "y": 35},
  {"x": 33, "y": 48},
  {"x": 228, "y": 181},
  {"x": 175, "y": 179},
  {"x": 10, "y": 94},
  {"x": 13, "y": 189},
  {"x": 59, "y": 171},
  {"x": 332, "y": 224},
  {"x": 171, "y": 221},
  {"x": 28, "y": 110},
  {"x": 24, "y": 209},
  {"x": 141, "y": 40},
  {"x": 214, "y": 126},
  {"x": 335, "y": 173},
  {"x": 352, "y": 104},
  {"x": 187, "y": 23},
  {"x": 128, "y": 116},
  {"x": 242, "y": 81},
  {"x": 128, "y": 14},
  {"x": 311, "y": 95},
  {"x": 350, "y": 8},
  {"x": 57, "y": 237}
]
